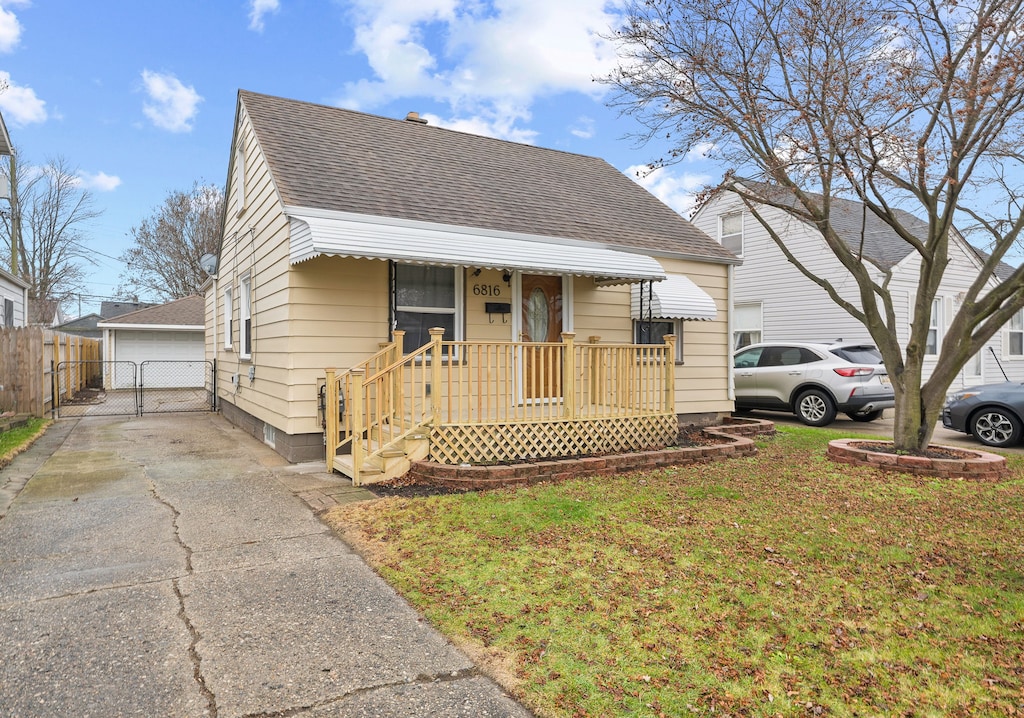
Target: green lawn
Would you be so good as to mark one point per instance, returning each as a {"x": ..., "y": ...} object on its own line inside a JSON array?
[
  {"x": 16, "y": 440},
  {"x": 782, "y": 584}
]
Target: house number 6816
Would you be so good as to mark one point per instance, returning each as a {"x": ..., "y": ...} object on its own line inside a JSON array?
[{"x": 487, "y": 290}]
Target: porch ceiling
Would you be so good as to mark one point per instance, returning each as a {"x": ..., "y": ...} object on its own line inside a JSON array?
[
  {"x": 317, "y": 232},
  {"x": 678, "y": 297}
]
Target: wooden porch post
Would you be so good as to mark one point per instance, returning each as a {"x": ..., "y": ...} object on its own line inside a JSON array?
[
  {"x": 435, "y": 373},
  {"x": 670, "y": 373},
  {"x": 397, "y": 377},
  {"x": 356, "y": 411},
  {"x": 331, "y": 418},
  {"x": 569, "y": 374}
]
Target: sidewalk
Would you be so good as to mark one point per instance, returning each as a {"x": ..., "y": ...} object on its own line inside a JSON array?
[{"x": 167, "y": 566}]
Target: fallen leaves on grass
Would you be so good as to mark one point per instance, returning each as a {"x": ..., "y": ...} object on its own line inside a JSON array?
[{"x": 778, "y": 585}]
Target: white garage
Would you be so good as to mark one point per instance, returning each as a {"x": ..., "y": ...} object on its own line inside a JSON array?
[{"x": 159, "y": 347}]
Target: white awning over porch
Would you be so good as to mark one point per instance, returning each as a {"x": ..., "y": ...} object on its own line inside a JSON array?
[
  {"x": 319, "y": 232},
  {"x": 677, "y": 297}
]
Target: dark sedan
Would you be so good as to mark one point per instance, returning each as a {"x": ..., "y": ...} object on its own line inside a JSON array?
[{"x": 993, "y": 413}]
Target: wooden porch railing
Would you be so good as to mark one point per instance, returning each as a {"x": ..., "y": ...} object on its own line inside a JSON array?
[{"x": 473, "y": 384}]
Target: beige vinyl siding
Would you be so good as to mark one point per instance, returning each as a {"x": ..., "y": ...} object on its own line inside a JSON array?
[
  {"x": 702, "y": 379},
  {"x": 601, "y": 311},
  {"x": 480, "y": 326},
  {"x": 256, "y": 242}
]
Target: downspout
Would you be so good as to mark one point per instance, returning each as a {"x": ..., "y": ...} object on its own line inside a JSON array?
[{"x": 729, "y": 329}]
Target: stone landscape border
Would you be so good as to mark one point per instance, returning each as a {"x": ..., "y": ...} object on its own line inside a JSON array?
[
  {"x": 736, "y": 441},
  {"x": 984, "y": 467}
]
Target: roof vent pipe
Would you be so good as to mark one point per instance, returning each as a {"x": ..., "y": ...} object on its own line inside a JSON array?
[{"x": 415, "y": 117}]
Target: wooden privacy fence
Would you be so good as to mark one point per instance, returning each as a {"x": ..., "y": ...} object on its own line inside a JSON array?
[
  {"x": 28, "y": 356},
  {"x": 485, "y": 402}
]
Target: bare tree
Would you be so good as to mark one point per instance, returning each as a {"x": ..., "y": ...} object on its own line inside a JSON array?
[
  {"x": 49, "y": 251},
  {"x": 914, "y": 104},
  {"x": 164, "y": 261}
]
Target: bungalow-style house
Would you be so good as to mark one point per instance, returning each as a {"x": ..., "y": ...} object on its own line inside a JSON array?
[
  {"x": 398, "y": 291},
  {"x": 14, "y": 300},
  {"x": 773, "y": 301}
]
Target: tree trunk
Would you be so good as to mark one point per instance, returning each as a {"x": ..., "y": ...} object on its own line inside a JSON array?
[{"x": 915, "y": 420}]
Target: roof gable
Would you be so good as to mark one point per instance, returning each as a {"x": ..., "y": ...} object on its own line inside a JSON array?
[{"x": 343, "y": 161}]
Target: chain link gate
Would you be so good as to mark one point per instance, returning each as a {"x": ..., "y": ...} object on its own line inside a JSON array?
[
  {"x": 176, "y": 385},
  {"x": 110, "y": 388}
]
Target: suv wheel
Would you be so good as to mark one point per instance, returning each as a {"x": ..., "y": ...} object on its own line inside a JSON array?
[
  {"x": 996, "y": 427},
  {"x": 815, "y": 408}
]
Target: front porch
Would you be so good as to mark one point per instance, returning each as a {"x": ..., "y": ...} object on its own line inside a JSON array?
[{"x": 476, "y": 403}]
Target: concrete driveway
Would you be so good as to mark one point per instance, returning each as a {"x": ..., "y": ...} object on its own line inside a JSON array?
[{"x": 164, "y": 566}]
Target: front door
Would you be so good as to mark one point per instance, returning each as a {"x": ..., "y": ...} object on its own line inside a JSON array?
[{"x": 541, "y": 322}]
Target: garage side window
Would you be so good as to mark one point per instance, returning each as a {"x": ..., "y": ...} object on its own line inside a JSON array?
[
  {"x": 245, "y": 319},
  {"x": 229, "y": 315},
  {"x": 8, "y": 312}
]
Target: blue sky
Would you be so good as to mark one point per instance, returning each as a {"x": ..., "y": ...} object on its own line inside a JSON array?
[{"x": 139, "y": 95}]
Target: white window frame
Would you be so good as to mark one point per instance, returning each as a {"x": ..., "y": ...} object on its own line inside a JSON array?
[
  {"x": 1015, "y": 328},
  {"x": 730, "y": 237},
  {"x": 677, "y": 330},
  {"x": 229, "y": 313},
  {"x": 457, "y": 311},
  {"x": 740, "y": 327},
  {"x": 933, "y": 345},
  {"x": 245, "y": 315}
]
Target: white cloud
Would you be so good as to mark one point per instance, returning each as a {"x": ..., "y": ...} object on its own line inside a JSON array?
[
  {"x": 10, "y": 29},
  {"x": 499, "y": 122},
  {"x": 481, "y": 57},
  {"x": 257, "y": 10},
  {"x": 584, "y": 128},
  {"x": 173, "y": 105},
  {"x": 99, "y": 181},
  {"x": 19, "y": 104},
  {"x": 678, "y": 192}
]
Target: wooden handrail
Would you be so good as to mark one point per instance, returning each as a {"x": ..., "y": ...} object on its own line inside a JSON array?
[{"x": 464, "y": 383}]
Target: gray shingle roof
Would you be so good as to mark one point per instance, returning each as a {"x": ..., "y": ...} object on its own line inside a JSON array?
[
  {"x": 190, "y": 311},
  {"x": 335, "y": 159}
]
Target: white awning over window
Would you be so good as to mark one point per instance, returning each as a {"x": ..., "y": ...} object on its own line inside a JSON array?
[
  {"x": 675, "y": 298},
  {"x": 318, "y": 232}
]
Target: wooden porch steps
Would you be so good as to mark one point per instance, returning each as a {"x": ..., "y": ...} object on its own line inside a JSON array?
[{"x": 386, "y": 462}]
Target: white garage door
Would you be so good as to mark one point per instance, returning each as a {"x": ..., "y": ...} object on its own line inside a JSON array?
[{"x": 141, "y": 346}]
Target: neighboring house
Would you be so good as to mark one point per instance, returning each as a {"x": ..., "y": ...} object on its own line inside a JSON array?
[
  {"x": 115, "y": 308},
  {"x": 773, "y": 301},
  {"x": 346, "y": 231},
  {"x": 13, "y": 300},
  {"x": 84, "y": 326},
  {"x": 171, "y": 332}
]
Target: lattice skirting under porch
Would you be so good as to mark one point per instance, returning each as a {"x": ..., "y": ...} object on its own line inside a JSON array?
[{"x": 493, "y": 443}]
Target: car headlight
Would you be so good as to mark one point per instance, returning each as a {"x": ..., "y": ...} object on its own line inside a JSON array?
[{"x": 960, "y": 396}]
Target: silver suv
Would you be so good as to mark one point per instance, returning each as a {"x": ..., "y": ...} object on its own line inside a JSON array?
[{"x": 814, "y": 381}]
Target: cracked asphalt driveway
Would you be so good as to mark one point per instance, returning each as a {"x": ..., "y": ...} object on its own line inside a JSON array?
[{"x": 158, "y": 566}]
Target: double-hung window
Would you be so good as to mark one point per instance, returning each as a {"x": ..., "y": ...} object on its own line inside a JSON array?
[
  {"x": 730, "y": 232},
  {"x": 8, "y": 312},
  {"x": 245, "y": 318},
  {"x": 229, "y": 317},
  {"x": 426, "y": 297},
  {"x": 1015, "y": 335}
]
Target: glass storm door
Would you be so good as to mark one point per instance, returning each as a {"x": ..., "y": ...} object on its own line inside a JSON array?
[{"x": 541, "y": 322}]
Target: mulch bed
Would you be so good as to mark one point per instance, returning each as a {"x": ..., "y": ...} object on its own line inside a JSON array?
[
  {"x": 932, "y": 452},
  {"x": 408, "y": 487}
]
